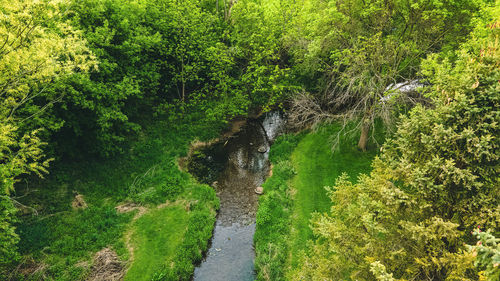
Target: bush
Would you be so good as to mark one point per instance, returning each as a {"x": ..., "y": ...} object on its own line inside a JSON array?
[
  {"x": 8, "y": 236},
  {"x": 435, "y": 181}
]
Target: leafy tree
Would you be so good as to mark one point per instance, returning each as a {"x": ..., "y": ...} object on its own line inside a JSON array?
[
  {"x": 435, "y": 181},
  {"x": 37, "y": 48},
  {"x": 360, "y": 48},
  {"x": 154, "y": 57},
  {"x": 258, "y": 27}
]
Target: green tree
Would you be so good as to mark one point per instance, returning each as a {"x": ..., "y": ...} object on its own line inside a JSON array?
[
  {"x": 155, "y": 57},
  {"x": 434, "y": 182},
  {"x": 258, "y": 27},
  {"x": 37, "y": 48},
  {"x": 356, "y": 49}
]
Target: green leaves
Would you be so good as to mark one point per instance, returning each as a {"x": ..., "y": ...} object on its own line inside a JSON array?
[
  {"x": 436, "y": 179},
  {"x": 487, "y": 253},
  {"x": 8, "y": 237}
]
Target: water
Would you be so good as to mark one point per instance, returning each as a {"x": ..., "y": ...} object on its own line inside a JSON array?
[
  {"x": 403, "y": 88},
  {"x": 231, "y": 253}
]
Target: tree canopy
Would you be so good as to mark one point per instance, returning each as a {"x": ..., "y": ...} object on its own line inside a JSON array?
[
  {"x": 435, "y": 182},
  {"x": 82, "y": 79}
]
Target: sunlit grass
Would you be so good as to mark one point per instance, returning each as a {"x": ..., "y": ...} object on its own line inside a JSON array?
[
  {"x": 316, "y": 167},
  {"x": 156, "y": 237}
]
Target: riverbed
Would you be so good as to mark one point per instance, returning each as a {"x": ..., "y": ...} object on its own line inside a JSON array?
[{"x": 245, "y": 167}]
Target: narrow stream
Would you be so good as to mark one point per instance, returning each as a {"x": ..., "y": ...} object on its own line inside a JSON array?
[{"x": 245, "y": 167}]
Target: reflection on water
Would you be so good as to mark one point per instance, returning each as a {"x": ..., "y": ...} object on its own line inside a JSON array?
[{"x": 231, "y": 254}]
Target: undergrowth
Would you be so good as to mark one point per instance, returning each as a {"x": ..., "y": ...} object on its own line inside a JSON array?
[
  {"x": 61, "y": 241},
  {"x": 273, "y": 215}
]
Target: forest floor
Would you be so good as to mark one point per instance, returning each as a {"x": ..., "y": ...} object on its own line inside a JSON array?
[{"x": 138, "y": 205}]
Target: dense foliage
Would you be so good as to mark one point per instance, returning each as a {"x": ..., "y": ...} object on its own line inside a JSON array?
[
  {"x": 112, "y": 91},
  {"x": 38, "y": 47},
  {"x": 86, "y": 78},
  {"x": 435, "y": 182},
  {"x": 357, "y": 50}
]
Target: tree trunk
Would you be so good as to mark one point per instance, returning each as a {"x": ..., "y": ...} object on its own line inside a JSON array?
[{"x": 365, "y": 131}]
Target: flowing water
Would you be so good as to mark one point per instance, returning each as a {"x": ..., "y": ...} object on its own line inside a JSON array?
[{"x": 246, "y": 166}]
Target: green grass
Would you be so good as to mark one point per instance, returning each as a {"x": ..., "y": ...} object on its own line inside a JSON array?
[
  {"x": 156, "y": 237},
  {"x": 62, "y": 238},
  {"x": 303, "y": 165},
  {"x": 316, "y": 167},
  {"x": 273, "y": 215},
  {"x": 168, "y": 241}
]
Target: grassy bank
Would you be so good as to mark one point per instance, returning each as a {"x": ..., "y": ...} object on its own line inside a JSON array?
[
  {"x": 303, "y": 166},
  {"x": 172, "y": 213}
]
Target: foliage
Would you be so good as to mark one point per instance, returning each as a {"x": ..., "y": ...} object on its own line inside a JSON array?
[
  {"x": 487, "y": 253},
  {"x": 133, "y": 82},
  {"x": 302, "y": 165},
  {"x": 265, "y": 72},
  {"x": 38, "y": 47},
  {"x": 8, "y": 237},
  {"x": 435, "y": 179},
  {"x": 361, "y": 48}
]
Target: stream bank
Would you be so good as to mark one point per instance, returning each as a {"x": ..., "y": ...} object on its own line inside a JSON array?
[{"x": 235, "y": 168}]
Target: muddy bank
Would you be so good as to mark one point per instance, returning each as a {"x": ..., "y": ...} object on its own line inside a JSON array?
[{"x": 235, "y": 167}]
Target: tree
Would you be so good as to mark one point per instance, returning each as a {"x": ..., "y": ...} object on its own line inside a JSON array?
[
  {"x": 156, "y": 58},
  {"x": 37, "y": 48},
  {"x": 361, "y": 48},
  {"x": 258, "y": 27},
  {"x": 435, "y": 181}
]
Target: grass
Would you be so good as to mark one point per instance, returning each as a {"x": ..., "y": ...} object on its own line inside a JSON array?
[
  {"x": 316, "y": 167},
  {"x": 302, "y": 166},
  {"x": 273, "y": 215},
  {"x": 63, "y": 241},
  {"x": 156, "y": 237}
]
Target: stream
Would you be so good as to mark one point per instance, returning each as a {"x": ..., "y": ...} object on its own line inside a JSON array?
[{"x": 241, "y": 165}]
